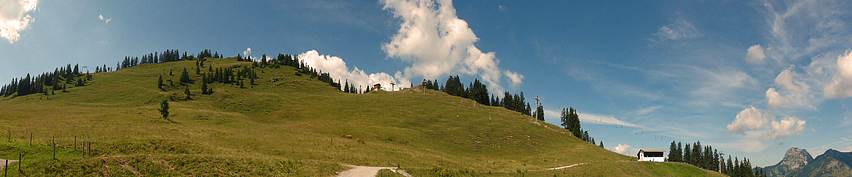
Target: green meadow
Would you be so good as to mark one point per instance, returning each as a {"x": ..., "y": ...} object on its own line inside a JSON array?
[{"x": 286, "y": 125}]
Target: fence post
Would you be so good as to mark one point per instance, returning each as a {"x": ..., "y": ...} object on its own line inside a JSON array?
[
  {"x": 75, "y": 143},
  {"x": 20, "y": 160},
  {"x": 6, "y": 170},
  {"x": 31, "y": 138}
]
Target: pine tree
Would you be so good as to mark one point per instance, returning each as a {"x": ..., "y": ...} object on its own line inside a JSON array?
[
  {"x": 672, "y": 152},
  {"x": 164, "y": 109},
  {"x": 160, "y": 82},
  {"x": 187, "y": 93},
  {"x": 602, "y": 146},
  {"x": 687, "y": 154},
  {"x": 197, "y": 70},
  {"x": 540, "y": 113},
  {"x": 204, "y": 87}
]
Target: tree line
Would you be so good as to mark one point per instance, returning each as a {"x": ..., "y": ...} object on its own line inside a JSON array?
[
  {"x": 47, "y": 82},
  {"x": 708, "y": 158}
]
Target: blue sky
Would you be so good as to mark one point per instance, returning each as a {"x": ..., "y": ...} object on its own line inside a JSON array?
[{"x": 751, "y": 78}]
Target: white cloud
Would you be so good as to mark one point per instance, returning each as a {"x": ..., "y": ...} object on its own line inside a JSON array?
[
  {"x": 515, "y": 78},
  {"x": 785, "y": 128},
  {"x": 101, "y": 17},
  {"x": 337, "y": 69},
  {"x": 247, "y": 54},
  {"x": 14, "y": 17},
  {"x": 841, "y": 84},
  {"x": 437, "y": 42},
  {"x": 755, "y": 54},
  {"x": 748, "y": 119},
  {"x": 774, "y": 99},
  {"x": 793, "y": 90},
  {"x": 621, "y": 149},
  {"x": 604, "y": 119},
  {"x": 755, "y": 123},
  {"x": 680, "y": 29}
]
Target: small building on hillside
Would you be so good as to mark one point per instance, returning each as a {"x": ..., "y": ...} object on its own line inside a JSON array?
[
  {"x": 651, "y": 155},
  {"x": 377, "y": 86}
]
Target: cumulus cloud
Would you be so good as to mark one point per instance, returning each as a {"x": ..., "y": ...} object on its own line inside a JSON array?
[
  {"x": 436, "y": 42},
  {"x": 753, "y": 121},
  {"x": 785, "y": 128},
  {"x": 748, "y": 119},
  {"x": 774, "y": 99},
  {"x": 101, "y": 17},
  {"x": 841, "y": 84},
  {"x": 621, "y": 149},
  {"x": 679, "y": 29},
  {"x": 14, "y": 17},
  {"x": 337, "y": 69},
  {"x": 247, "y": 54},
  {"x": 792, "y": 90},
  {"x": 754, "y": 54}
]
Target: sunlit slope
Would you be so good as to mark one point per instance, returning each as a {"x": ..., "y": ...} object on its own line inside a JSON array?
[{"x": 287, "y": 125}]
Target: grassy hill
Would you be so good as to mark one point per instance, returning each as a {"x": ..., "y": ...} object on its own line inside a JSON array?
[{"x": 287, "y": 125}]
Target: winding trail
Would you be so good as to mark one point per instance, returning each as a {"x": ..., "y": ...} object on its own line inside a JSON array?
[
  {"x": 367, "y": 171},
  {"x": 3, "y": 162}
]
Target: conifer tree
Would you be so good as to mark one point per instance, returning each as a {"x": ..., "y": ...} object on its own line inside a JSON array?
[
  {"x": 204, "y": 87},
  {"x": 540, "y": 113},
  {"x": 164, "y": 108},
  {"x": 160, "y": 82},
  {"x": 672, "y": 152},
  {"x": 187, "y": 93},
  {"x": 602, "y": 146}
]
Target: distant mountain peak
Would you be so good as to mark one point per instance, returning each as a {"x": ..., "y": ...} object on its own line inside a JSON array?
[{"x": 795, "y": 158}]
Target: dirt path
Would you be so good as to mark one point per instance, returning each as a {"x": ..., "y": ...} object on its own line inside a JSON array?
[
  {"x": 3, "y": 162},
  {"x": 366, "y": 171},
  {"x": 564, "y": 167}
]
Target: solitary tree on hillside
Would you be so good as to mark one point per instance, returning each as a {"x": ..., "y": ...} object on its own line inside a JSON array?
[
  {"x": 164, "y": 109},
  {"x": 160, "y": 82},
  {"x": 187, "y": 93}
]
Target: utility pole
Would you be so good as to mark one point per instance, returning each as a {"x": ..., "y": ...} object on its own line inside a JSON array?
[{"x": 423, "y": 86}]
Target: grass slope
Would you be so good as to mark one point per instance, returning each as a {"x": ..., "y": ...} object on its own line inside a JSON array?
[{"x": 288, "y": 125}]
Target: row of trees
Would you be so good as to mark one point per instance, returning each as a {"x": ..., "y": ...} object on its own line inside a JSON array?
[
  {"x": 46, "y": 83},
  {"x": 166, "y": 56},
  {"x": 478, "y": 92},
  {"x": 707, "y": 157}
]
